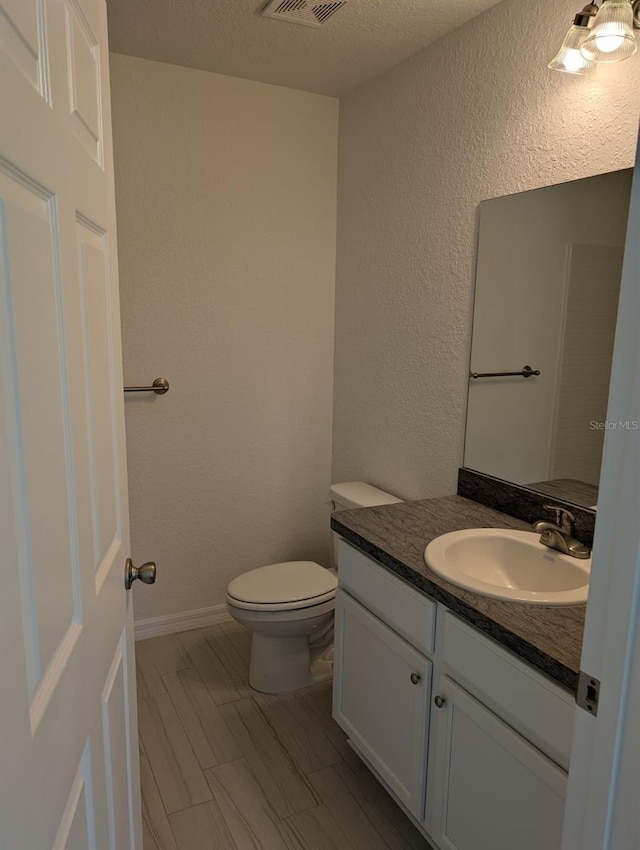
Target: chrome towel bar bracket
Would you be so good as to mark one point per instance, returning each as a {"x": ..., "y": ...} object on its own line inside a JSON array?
[
  {"x": 160, "y": 386},
  {"x": 525, "y": 372}
]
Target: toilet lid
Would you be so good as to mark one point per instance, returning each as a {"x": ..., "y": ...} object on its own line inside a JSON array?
[{"x": 292, "y": 581}]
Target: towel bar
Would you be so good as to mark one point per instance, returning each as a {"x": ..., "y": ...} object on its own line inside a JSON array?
[
  {"x": 525, "y": 372},
  {"x": 160, "y": 386}
]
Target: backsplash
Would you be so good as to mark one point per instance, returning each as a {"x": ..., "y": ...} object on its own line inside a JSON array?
[{"x": 521, "y": 502}]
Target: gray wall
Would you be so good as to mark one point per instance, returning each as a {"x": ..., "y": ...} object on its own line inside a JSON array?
[{"x": 226, "y": 202}]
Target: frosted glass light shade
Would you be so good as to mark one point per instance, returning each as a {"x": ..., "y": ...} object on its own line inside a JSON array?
[
  {"x": 569, "y": 58},
  {"x": 612, "y": 38}
]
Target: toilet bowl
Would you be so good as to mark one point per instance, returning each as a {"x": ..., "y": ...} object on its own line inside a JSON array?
[
  {"x": 289, "y": 607},
  {"x": 284, "y": 605}
]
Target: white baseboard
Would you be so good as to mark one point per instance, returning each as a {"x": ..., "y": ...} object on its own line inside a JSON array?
[{"x": 183, "y": 622}]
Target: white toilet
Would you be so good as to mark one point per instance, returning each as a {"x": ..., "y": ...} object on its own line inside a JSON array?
[{"x": 289, "y": 607}]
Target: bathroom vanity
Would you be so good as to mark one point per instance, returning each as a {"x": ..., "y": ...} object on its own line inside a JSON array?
[{"x": 461, "y": 705}]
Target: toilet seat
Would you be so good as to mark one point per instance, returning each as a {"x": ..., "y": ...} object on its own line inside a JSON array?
[{"x": 288, "y": 586}]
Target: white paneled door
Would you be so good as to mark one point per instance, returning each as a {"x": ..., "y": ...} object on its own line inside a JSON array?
[{"x": 68, "y": 742}]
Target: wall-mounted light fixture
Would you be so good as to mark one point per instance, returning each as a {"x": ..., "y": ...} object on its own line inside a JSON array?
[{"x": 599, "y": 34}]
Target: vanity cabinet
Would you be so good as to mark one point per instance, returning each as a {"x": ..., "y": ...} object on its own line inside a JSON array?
[
  {"x": 381, "y": 699},
  {"x": 471, "y": 741},
  {"x": 489, "y": 788}
]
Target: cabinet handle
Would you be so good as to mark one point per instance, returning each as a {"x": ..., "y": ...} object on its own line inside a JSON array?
[
  {"x": 415, "y": 678},
  {"x": 439, "y": 701}
]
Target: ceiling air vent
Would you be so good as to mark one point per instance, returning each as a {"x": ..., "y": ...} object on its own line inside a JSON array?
[{"x": 309, "y": 13}]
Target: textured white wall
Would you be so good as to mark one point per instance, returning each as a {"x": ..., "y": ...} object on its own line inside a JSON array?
[
  {"x": 226, "y": 202},
  {"x": 474, "y": 116}
]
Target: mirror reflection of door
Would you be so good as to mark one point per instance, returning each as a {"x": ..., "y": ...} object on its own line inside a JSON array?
[
  {"x": 592, "y": 286},
  {"x": 547, "y": 283}
]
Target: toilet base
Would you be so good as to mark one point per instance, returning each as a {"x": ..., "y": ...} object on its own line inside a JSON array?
[{"x": 281, "y": 664}]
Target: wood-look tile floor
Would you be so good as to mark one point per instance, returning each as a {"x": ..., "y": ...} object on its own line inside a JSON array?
[{"x": 223, "y": 766}]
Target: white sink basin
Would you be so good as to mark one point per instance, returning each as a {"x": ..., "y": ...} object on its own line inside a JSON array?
[{"x": 509, "y": 565}]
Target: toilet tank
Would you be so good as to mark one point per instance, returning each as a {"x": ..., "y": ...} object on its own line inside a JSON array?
[{"x": 356, "y": 494}]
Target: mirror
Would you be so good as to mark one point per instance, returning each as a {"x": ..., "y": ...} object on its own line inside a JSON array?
[{"x": 548, "y": 274}]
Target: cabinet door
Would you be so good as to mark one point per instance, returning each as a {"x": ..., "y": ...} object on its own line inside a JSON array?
[
  {"x": 381, "y": 699},
  {"x": 488, "y": 788}
]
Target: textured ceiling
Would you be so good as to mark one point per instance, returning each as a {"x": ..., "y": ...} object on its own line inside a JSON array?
[{"x": 362, "y": 40}]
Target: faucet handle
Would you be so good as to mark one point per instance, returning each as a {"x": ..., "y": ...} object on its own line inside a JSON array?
[{"x": 564, "y": 518}]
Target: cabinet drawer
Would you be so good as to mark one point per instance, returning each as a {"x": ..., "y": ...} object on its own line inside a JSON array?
[
  {"x": 542, "y": 712},
  {"x": 407, "y": 611}
]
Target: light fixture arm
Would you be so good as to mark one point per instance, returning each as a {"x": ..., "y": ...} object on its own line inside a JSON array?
[{"x": 583, "y": 18}]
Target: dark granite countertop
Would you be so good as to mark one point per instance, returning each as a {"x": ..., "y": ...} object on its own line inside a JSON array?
[{"x": 548, "y": 638}]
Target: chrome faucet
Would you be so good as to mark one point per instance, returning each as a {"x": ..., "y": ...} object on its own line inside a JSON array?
[{"x": 559, "y": 535}]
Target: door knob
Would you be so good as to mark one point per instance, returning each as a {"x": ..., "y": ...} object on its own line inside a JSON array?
[
  {"x": 146, "y": 573},
  {"x": 439, "y": 701},
  {"x": 415, "y": 678}
]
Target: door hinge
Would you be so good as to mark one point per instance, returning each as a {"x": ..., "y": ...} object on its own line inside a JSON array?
[{"x": 588, "y": 693}]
